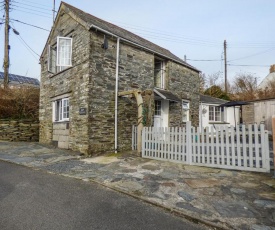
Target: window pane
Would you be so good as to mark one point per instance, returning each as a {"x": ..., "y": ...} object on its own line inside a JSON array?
[
  {"x": 51, "y": 59},
  {"x": 64, "y": 52},
  {"x": 158, "y": 108},
  {"x": 185, "y": 105},
  {"x": 159, "y": 73},
  {"x": 211, "y": 113},
  {"x": 65, "y": 108},
  {"x": 60, "y": 110},
  {"x": 217, "y": 113}
]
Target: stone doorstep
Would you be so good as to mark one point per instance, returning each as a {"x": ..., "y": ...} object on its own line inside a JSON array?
[{"x": 63, "y": 145}]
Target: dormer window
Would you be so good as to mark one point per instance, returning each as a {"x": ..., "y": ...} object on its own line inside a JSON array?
[
  {"x": 159, "y": 73},
  {"x": 60, "y": 57}
]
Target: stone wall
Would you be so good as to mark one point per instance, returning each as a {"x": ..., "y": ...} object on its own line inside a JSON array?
[
  {"x": 19, "y": 130},
  {"x": 185, "y": 83},
  {"x": 135, "y": 72},
  {"x": 248, "y": 114},
  {"x": 72, "y": 82}
]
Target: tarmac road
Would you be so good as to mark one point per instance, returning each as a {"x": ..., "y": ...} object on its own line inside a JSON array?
[{"x": 31, "y": 199}]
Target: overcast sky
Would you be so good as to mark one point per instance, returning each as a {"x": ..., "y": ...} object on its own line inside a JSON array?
[{"x": 195, "y": 28}]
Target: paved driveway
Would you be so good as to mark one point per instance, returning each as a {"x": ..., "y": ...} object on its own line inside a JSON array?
[{"x": 222, "y": 198}]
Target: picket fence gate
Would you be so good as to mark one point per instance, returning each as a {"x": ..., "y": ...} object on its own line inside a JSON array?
[{"x": 244, "y": 148}]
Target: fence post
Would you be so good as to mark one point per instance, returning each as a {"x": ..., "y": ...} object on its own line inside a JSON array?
[
  {"x": 273, "y": 135},
  {"x": 189, "y": 143}
]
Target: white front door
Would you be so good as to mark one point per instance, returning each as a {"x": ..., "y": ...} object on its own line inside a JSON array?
[
  {"x": 161, "y": 113},
  {"x": 157, "y": 116}
]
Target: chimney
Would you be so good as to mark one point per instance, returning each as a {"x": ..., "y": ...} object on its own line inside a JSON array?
[{"x": 272, "y": 68}]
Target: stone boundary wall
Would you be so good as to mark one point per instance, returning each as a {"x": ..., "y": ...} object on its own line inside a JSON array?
[{"x": 19, "y": 130}]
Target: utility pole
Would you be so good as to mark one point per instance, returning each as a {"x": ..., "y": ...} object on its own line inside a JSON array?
[
  {"x": 225, "y": 67},
  {"x": 7, "y": 46},
  {"x": 53, "y": 10}
]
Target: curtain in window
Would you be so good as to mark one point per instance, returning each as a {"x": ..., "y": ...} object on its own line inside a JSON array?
[{"x": 64, "y": 52}]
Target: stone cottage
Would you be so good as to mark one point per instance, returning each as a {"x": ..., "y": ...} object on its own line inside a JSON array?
[{"x": 90, "y": 72}]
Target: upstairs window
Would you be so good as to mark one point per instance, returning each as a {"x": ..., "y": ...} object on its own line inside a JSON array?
[
  {"x": 159, "y": 73},
  {"x": 215, "y": 113},
  {"x": 61, "y": 110},
  {"x": 185, "y": 111},
  {"x": 60, "y": 57}
]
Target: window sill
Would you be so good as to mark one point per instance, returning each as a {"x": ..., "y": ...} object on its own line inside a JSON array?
[
  {"x": 64, "y": 70},
  {"x": 63, "y": 121},
  {"x": 218, "y": 122}
]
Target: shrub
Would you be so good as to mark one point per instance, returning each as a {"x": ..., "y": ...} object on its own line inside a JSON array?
[{"x": 19, "y": 103}]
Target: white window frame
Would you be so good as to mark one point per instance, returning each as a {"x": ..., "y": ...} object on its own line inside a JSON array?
[
  {"x": 58, "y": 63},
  {"x": 162, "y": 74},
  {"x": 59, "y": 110},
  {"x": 216, "y": 109},
  {"x": 54, "y": 65},
  {"x": 51, "y": 59},
  {"x": 185, "y": 110}
]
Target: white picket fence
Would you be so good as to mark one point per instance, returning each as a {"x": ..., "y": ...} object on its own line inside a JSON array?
[{"x": 245, "y": 148}]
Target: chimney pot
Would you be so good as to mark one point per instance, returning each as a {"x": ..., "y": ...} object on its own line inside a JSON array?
[{"x": 272, "y": 68}]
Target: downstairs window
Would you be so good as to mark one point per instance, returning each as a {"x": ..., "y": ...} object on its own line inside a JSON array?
[{"x": 61, "y": 110}]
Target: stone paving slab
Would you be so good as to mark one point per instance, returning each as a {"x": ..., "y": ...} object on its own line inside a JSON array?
[{"x": 221, "y": 198}]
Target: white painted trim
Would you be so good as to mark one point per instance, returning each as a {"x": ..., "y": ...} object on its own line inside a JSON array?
[{"x": 57, "y": 50}]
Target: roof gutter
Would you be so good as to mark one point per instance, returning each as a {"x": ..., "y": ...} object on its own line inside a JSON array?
[{"x": 140, "y": 46}]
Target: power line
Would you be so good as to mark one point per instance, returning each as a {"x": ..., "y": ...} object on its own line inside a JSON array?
[
  {"x": 29, "y": 24},
  {"x": 205, "y": 59},
  {"x": 29, "y": 47},
  {"x": 24, "y": 4},
  {"x": 250, "y": 65},
  {"x": 33, "y": 13},
  {"x": 26, "y": 45},
  {"x": 175, "y": 40},
  {"x": 252, "y": 55},
  {"x": 195, "y": 39},
  {"x": 161, "y": 32},
  {"x": 26, "y": 8},
  {"x": 35, "y": 3},
  {"x": 251, "y": 44}
]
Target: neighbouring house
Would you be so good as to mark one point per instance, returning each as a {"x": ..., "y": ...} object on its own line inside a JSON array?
[
  {"x": 18, "y": 81},
  {"x": 98, "y": 80},
  {"x": 213, "y": 114},
  {"x": 265, "y": 84},
  {"x": 260, "y": 111}
]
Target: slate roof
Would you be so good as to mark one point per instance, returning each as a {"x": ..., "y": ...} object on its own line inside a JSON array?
[
  {"x": 167, "y": 95},
  {"x": 20, "y": 79},
  {"x": 211, "y": 100},
  {"x": 125, "y": 34}
]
